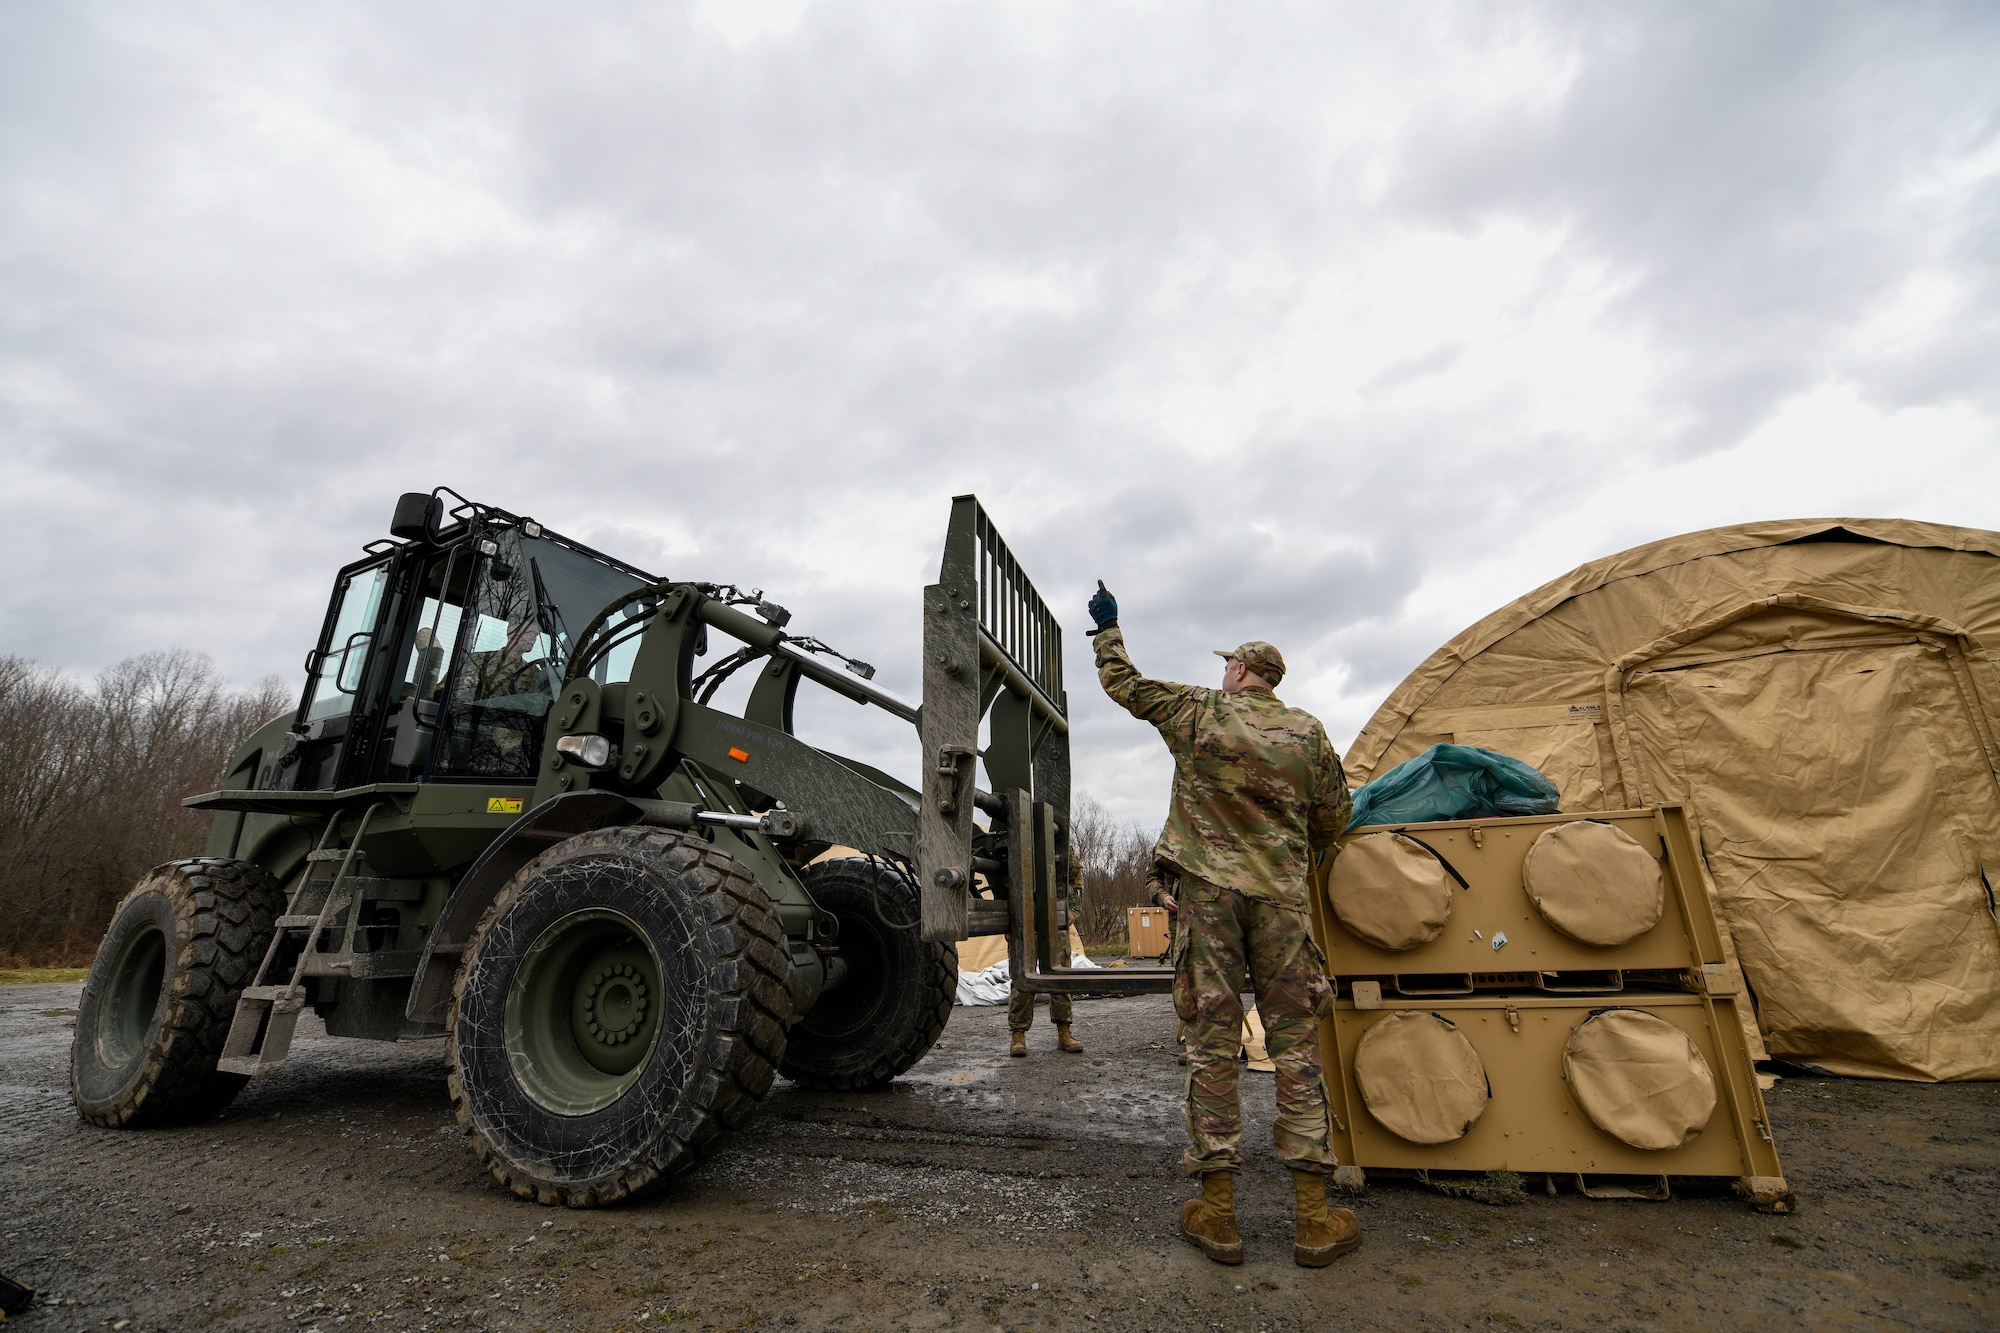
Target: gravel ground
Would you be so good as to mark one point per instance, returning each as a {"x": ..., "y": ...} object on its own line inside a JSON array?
[{"x": 978, "y": 1192}]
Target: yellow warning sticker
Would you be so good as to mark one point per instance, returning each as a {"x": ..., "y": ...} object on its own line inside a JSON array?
[{"x": 503, "y": 805}]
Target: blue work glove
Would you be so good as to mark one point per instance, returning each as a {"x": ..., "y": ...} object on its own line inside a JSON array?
[{"x": 1103, "y": 609}]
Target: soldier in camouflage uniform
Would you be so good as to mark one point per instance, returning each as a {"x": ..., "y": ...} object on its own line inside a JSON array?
[
  {"x": 1258, "y": 795},
  {"x": 1161, "y": 881},
  {"x": 1062, "y": 1010}
]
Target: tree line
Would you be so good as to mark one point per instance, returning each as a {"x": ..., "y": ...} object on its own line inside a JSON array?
[{"x": 92, "y": 773}]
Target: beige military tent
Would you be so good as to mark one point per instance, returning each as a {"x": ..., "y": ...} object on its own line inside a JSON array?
[{"x": 1823, "y": 695}]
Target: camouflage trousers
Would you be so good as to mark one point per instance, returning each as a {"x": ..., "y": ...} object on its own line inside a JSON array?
[
  {"x": 1021, "y": 1009},
  {"x": 1021, "y": 1003},
  {"x": 1221, "y": 933}
]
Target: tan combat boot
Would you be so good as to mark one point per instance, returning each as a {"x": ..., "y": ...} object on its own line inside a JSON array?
[
  {"x": 1209, "y": 1223},
  {"x": 1066, "y": 1040},
  {"x": 1018, "y": 1047},
  {"x": 1321, "y": 1235}
]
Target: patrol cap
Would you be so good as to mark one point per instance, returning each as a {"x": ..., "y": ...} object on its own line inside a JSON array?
[{"x": 1260, "y": 657}]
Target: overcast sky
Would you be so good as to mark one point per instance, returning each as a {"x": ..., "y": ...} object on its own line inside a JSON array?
[{"x": 1333, "y": 324}]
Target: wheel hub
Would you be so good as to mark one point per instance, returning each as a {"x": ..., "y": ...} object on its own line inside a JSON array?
[
  {"x": 614, "y": 1004},
  {"x": 135, "y": 995},
  {"x": 583, "y": 1012}
]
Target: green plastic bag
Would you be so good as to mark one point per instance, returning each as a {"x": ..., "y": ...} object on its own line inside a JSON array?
[{"x": 1454, "y": 782}]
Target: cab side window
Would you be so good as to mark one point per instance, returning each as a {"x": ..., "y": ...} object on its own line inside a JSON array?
[{"x": 339, "y": 667}]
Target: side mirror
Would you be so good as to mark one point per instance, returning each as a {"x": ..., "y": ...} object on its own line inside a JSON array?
[{"x": 418, "y": 517}]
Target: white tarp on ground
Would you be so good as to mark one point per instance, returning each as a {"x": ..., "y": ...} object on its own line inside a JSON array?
[
  {"x": 991, "y": 985},
  {"x": 988, "y": 987}
]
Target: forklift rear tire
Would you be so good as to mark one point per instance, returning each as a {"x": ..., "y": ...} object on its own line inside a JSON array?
[
  {"x": 891, "y": 1005},
  {"x": 622, "y": 1004},
  {"x": 162, "y": 992}
]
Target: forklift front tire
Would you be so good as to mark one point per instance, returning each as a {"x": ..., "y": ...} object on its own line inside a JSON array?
[{"x": 623, "y": 1003}]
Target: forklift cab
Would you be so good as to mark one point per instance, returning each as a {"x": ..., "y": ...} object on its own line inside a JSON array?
[{"x": 440, "y": 655}]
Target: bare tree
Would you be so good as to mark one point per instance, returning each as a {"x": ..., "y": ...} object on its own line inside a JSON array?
[
  {"x": 1113, "y": 858},
  {"x": 91, "y": 779}
]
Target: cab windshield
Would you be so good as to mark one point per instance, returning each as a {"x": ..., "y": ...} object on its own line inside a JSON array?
[
  {"x": 573, "y": 587},
  {"x": 531, "y": 598}
]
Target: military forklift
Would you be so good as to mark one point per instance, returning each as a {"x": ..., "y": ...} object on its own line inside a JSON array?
[{"x": 505, "y": 814}]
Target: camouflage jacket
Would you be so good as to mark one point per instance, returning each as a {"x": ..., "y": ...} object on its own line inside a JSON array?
[{"x": 1258, "y": 787}]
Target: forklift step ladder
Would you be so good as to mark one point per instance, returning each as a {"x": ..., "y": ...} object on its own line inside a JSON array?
[{"x": 260, "y": 1036}]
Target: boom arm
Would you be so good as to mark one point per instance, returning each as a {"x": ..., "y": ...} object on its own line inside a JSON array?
[
  {"x": 656, "y": 725},
  {"x": 991, "y": 646}
]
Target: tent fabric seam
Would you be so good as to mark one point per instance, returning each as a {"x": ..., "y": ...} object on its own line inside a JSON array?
[{"x": 1617, "y": 675}]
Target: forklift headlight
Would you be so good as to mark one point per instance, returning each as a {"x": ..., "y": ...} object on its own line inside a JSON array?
[{"x": 590, "y": 751}]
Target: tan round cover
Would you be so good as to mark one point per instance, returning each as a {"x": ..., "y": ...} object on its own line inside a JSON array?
[
  {"x": 1639, "y": 1078},
  {"x": 1386, "y": 889},
  {"x": 1594, "y": 883},
  {"x": 1420, "y": 1077}
]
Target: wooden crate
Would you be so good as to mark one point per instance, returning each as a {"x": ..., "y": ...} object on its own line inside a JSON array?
[{"x": 1150, "y": 931}]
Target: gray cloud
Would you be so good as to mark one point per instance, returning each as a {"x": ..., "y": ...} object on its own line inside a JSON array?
[
  {"x": 1336, "y": 328},
  {"x": 1764, "y": 177}
]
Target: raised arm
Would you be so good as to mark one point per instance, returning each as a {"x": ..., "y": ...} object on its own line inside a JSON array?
[{"x": 1160, "y": 702}]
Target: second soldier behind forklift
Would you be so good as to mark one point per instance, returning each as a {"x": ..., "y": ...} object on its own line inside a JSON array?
[
  {"x": 1062, "y": 1009},
  {"x": 1258, "y": 795}
]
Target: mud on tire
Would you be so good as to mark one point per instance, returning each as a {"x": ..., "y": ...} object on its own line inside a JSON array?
[
  {"x": 162, "y": 992},
  {"x": 892, "y": 1005},
  {"x": 622, "y": 1004}
]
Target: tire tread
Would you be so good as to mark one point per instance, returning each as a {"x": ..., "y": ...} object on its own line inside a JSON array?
[
  {"x": 739, "y": 1067},
  {"x": 225, "y": 911},
  {"x": 939, "y": 985}
]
